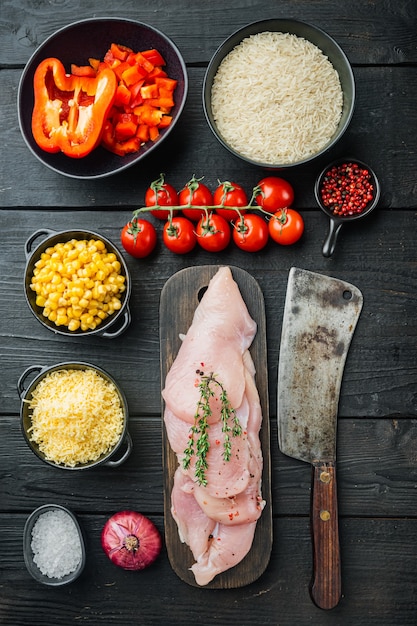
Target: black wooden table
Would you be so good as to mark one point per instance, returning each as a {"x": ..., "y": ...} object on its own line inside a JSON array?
[{"x": 377, "y": 431}]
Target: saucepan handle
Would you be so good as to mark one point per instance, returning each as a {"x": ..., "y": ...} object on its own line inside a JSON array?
[
  {"x": 326, "y": 584},
  {"x": 21, "y": 388},
  {"x": 331, "y": 238},
  {"x": 129, "y": 445},
  {"x": 126, "y": 319},
  {"x": 34, "y": 236}
]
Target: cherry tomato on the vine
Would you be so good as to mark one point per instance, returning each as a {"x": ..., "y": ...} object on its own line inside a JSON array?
[
  {"x": 161, "y": 193},
  {"x": 250, "y": 232},
  {"x": 213, "y": 233},
  {"x": 286, "y": 226},
  {"x": 273, "y": 193},
  {"x": 138, "y": 238},
  {"x": 197, "y": 194},
  {"x": 179, "y": 236},
  {"x": 230, "y": 194}
]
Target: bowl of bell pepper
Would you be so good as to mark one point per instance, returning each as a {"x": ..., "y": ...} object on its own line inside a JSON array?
[{"x": 99, "y": 95}]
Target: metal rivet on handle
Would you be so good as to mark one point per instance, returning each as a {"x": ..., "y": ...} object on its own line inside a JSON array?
[{"x": 325, "y": 477}]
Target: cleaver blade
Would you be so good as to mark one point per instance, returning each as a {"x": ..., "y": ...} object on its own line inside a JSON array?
[{"x": 320, "y": 316}]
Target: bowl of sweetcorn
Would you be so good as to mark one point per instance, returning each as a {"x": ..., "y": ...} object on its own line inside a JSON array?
[{"x": 77, "y": 283}]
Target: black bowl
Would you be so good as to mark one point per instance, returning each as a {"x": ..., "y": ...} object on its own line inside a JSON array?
[
  {"x": 337, "y": 221},
  {"x": 26, "y": 386},
  {"x": 28, "y": 553},
  {"x": 301, "y": 29},
  {"x": 76, "y": 43},
  {"x": 118, "y": 321}
]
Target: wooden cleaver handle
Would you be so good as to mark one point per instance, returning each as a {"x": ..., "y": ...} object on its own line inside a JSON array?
[{"x": 326, "y": 583}]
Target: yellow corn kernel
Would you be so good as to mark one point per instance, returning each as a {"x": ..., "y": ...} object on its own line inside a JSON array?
[
  {"x": 52, "y": 316},
  {"x": 77, "y": 311},
  {"x": 76, "y": 291},
  {"x": 72, "y": 253},
  {"x": 86, "y": 318},
  {"x": 73, "y": 324},
  {"x": 40, "y": 301},
  {"x": 61, "y": 320},
  {"x": 51, "y": 304}
]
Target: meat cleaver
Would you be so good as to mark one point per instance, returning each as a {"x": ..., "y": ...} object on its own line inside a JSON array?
[{"x": 320, "y": 316}]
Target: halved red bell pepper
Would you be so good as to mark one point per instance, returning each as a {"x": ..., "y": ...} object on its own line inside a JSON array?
[{"x": 70, "y": 111}]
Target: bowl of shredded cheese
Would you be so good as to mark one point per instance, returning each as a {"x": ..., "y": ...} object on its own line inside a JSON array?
[
  {"x": 74, "y": 416},
  {"x": 53, "y": 545},
  {"x": 77, "y": 283},
  {"x": 279, "y": 93}
]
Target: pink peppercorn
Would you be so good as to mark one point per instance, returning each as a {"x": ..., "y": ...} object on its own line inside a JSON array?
[{"x": 347, "y": 189}]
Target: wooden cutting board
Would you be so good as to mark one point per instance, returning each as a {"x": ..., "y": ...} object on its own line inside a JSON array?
[{"x": 179, "y": 299}]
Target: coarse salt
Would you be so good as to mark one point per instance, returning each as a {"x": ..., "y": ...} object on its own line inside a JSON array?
[{"x": 56, "y": 544}]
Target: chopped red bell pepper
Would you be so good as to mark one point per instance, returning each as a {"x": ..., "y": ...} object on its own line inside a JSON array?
[
  {"x": 133, "y": 74},
  {"x": 144, "y": 98},
  {"x": 83, "y": 70},
  {"x": 123, "y": 96},
  {"x": 154, "y": 56},
  {"x": 126, "y": 128},
  {"x": 120, "y": 52},
  {"x": 69, "y": 111}
]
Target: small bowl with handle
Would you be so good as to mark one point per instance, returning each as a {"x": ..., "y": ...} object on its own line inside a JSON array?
[
  {"x": 336, "y": 221},
  {"x": 26, "y": 385},
  {"x": 116, "y": 323}
]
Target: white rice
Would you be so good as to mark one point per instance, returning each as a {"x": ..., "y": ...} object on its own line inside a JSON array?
[{"x": 276, "y": 98}]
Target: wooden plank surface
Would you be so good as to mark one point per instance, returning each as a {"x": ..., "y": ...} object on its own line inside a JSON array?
[
  {"x": 381, "y": 369},
  {"x": 377, "y": 428},
  {"x": 385, "y": 98}
]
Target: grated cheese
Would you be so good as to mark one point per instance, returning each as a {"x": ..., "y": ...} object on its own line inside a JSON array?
[
  {"x": 276, "y": 98},
  {"x": 77, "y": 416}
]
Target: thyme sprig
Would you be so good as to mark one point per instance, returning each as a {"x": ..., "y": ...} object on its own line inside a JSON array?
[{"x": 199, "y": 443}]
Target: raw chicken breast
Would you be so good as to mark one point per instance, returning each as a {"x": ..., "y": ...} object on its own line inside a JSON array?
[
  {"x": 224, "y": 478},
  {"x": 221, "y": 332},
  {"x": 229, "y": 545},
  {"x": 216, "y": 517},
  {"x": 194, "y": 527}
]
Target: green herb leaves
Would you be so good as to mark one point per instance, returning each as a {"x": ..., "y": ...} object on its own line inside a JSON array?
[{"x": 198, "y": 438}]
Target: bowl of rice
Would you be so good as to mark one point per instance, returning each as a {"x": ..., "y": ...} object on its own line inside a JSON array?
[
  {"x": 53, "y": 545},
  {"x": 279, "y": 93},
  {"x": 74, "y": 416}
]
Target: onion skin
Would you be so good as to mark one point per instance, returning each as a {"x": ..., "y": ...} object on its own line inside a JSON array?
[{"x": 131, "y": 540}]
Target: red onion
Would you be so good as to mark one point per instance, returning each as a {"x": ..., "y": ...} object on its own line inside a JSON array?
[{"x": 131, "y": 540}]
